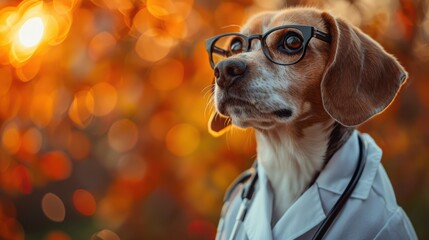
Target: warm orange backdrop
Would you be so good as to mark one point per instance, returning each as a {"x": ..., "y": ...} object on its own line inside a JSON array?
[{"x": 104, "y": 106}]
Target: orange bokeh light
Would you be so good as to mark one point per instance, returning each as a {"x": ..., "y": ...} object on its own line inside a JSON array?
[
  {"x": 80, "y": 111},
  {"x": 167, "y": 74},
  {"x": 153, "y": 46},
  {"x": 182, "y": 139},
  {"x": 143, "y": 21},
  {"x": 114, "y": 208},
  {"x": 10, "y": 103},
  {"x": 105, "y": 98},
  {"x": 31, "y": 32},
  {"x": 224, "y": 17},
  {"x": 6, "y": 80},
  {"x": 11, "y": 138},
  {"x": 16, "y": 179},
  {"x": 27, "y": 71},
  {"x": 223, "y": 175},
  {"x": 57, "y": 235},
  {"x": 34, "y": 24},
  {"x": 11, "y": 229},
  {"x": 42, "y": 107},
  {"x": 162, "y": 24},
  {"x": 123, "y": 135},
  {"x": 131, "y": 167},
  {"x": 32, "y": 141},
  {"x": 84, "y": 202},
  {"x": 55, "y": 165},
  {"x": 65, "y": 6},
  {"x": 101, "y": 44},
  {"x": 160, "y": 124},
  {"x": 167, "y": 8}
]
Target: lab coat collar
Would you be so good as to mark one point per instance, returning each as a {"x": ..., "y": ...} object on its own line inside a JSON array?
[
  {"x": 307, "y": 212},
  {"x": 340, "y": 168},
  {"x": 292, "y": 224}
]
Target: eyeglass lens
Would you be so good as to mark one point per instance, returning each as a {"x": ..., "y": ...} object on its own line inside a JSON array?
[
  {"x": 228, "y": 46},
  {"x": 283, "y": 46}
]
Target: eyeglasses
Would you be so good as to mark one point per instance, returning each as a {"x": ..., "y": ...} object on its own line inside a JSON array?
[{"x": 284, "y": 45}]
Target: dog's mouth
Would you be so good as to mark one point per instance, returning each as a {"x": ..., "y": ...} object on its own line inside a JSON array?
[
  {"x": 234, "y": 106},
  {"x": 239, "y": 105},
  {"x": 283, "y": 113},
  {"x": 246, "y": 114}
]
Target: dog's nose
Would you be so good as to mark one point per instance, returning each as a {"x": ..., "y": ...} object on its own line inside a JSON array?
[{"x": 228, "y": 71}]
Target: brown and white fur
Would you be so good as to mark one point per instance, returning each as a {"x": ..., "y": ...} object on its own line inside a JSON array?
[{"x": 335, "y": 87}]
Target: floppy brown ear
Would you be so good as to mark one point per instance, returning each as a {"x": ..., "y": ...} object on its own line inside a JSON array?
[
  {"x": 218, "y": 125},
  {"x": 360, "y": 79}
]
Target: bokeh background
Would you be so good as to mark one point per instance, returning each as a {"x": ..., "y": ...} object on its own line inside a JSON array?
[{"x": 104, "y": 108}]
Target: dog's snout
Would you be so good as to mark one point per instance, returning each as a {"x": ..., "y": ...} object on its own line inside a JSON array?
[{"x": 228, "y": 71}]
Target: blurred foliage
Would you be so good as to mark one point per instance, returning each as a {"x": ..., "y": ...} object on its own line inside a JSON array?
[{"x": 103, "y": 111}]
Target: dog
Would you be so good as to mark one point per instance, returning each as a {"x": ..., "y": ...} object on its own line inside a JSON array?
[{"x": 303, "y": 80}]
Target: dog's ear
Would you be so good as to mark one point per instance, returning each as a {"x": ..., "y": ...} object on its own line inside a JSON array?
[
  {"x": 218, "y": 125},
  {"x": 360, "y": 79}
]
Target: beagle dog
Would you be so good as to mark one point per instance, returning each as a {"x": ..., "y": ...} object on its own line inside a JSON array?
[{"x": 303, "y": 80}]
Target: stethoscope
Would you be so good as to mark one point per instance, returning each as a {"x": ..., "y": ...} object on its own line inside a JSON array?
[{"x": 249, "y": 190}]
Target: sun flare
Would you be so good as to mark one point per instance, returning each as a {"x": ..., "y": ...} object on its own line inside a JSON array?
[{"x": 31, "y": 32}]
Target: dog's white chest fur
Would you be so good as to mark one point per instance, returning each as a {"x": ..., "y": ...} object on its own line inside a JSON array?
[{"x": 291, "y": 163}]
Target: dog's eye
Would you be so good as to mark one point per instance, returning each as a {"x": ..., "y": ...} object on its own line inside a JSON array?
[
  {"x": 236, "y": 46},
  {"x": 291, "y": 44}
]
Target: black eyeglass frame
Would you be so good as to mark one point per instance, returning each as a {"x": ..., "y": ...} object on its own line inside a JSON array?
[{"x": 307, "y": 32}]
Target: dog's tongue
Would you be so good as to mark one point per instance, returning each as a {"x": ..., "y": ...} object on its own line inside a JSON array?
[{"x": 218, "y": 125}]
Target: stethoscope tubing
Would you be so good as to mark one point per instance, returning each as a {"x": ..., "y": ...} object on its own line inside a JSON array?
[
  {"x": 341, "y": 202},
  {"x": 324, "y": 227}
]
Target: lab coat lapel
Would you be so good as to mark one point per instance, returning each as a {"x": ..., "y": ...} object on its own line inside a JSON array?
[
  {"x": 341, "y": 166},
  {"x": 257, "y": 223},
  {"x": 302, "y": 216},
  {"x": 297, "y": 220}
]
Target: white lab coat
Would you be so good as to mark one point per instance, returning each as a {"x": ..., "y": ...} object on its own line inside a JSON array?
[{"x": 371, "y": 212}]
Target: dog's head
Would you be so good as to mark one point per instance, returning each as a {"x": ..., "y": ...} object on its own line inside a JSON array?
[{"x": 300, "y": 66}]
